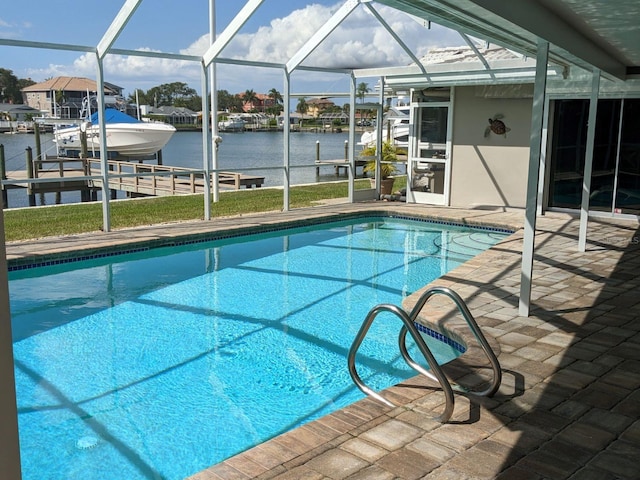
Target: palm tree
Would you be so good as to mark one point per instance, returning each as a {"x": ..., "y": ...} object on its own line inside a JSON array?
[
  {"x": 250, "y": 98},
  {"x": 302, "y": 108},
  {"x": 276, "y": 96},
  {"x": 362, "y": 90}
]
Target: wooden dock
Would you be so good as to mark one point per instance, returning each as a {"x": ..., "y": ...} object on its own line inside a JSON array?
[
  {"x": 338, "y": 165},
  {"x": 132, "y": 177},
  {"x": 360, "y": 162},
  {"x": 160, "y": 180}
]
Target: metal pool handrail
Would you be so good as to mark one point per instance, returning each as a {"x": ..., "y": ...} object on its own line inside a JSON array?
[
  {"x": 473, "y": 326},
  {"x": 436, "y": 372},
  {"x": 422, "y": 346}
]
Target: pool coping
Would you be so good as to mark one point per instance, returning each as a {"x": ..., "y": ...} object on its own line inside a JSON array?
[{"x": 69, "y": 248}]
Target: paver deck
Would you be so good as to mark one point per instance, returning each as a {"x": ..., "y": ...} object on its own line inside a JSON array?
[{"x": 569, "y": 403}]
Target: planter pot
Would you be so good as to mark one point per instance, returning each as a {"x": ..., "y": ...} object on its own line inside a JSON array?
[{"x": 386, "y": 185}]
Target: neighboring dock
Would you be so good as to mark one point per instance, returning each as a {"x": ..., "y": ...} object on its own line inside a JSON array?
[{"x": 134, "y": 177}]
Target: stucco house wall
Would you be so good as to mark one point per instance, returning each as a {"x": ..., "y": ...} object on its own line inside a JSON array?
[{"x": 491, "y": 170}]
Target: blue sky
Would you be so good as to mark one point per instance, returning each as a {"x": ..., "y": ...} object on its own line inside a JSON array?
[{"x": 274, "y": 33}]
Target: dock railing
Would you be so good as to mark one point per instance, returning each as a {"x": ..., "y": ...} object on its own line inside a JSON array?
[{"x": 53, "y": 174}]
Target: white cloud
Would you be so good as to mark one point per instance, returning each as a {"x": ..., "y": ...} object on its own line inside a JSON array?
[{"x": 359, "y": 42}]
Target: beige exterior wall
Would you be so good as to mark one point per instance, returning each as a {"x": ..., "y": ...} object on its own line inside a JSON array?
[
  {"x": 37, "y": 100},
  {"x": 490, "y": 171}
]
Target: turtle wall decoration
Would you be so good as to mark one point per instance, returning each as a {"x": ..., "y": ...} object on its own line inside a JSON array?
[{"x": 497, "y": 126}]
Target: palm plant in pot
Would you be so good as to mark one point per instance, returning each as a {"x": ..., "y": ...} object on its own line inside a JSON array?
[{"x": 387, "y": 169}]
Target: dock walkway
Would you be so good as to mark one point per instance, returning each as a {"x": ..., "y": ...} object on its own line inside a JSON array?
[{"x": 132, "y": 177}]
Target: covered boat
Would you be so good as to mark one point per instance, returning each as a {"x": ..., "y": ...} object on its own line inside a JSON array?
[
  {"x": 395, "y": 128},
  {"x": 126, "y": 136}
]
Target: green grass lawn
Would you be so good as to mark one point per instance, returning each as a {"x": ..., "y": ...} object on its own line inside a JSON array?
[{"x": 37, "y": 222}]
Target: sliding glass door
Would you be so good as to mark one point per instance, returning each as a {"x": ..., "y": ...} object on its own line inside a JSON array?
[{"x": 615, "y": 179}]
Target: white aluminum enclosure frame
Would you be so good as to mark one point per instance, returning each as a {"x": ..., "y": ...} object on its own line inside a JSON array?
[
  {"x": 535, "y": 147},
  {"x": 531, "y": 18}
]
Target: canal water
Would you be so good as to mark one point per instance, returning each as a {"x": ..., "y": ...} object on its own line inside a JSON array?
[{"x": 263, "y": 151}]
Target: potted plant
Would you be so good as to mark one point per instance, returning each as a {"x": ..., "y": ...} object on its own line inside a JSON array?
[{"x": 389, "y": 154}]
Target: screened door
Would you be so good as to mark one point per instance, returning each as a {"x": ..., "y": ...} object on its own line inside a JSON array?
[{"x": 428, "y": 180}]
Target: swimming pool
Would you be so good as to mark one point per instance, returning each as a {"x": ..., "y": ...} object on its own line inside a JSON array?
[{"x": 159, "y": 363}]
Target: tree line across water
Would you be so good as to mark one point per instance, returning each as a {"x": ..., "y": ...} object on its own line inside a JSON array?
[{"x": 179, "y": 94}]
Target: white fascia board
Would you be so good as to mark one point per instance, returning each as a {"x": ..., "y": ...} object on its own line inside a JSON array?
[
  {"x": 521, "y": 75},
  {"x": 387, "y": 71},
  {"x": 439, "y": 68}
]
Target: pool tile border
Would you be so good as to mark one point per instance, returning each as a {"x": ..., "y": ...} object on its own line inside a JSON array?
[
  {"x": 441, "y": 337},
  {"x": 60, "y": 258}
]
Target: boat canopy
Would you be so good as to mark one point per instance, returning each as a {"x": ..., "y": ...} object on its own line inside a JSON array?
[{"x": 111, "y": 115}]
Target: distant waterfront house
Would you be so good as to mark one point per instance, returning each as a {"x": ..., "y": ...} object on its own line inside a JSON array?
[
  {"x": 63, "y": 96},
  {"x": 334, "y": 118},
  {"x": 11, "y": 115},
  {"x": 17, "y": 112},
  {"x": 171, "y": 115},
  {"x": 260, "y": 104},
  {"x": 316, "y": 106}
]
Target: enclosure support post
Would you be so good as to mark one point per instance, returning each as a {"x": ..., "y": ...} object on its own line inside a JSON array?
[
  {"x": 206, "y": 141},
  {"x": 9, "y": 440},
  {"x": 352, "y": 137},
  {"x": 539, "y": 95},
  {"x": 588, "y": 160},
  {"x": 286, "y": 130}
]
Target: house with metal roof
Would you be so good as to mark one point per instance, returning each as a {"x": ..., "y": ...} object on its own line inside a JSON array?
[
  {"x": 170, "y": 114},
  {"x": 12, "y": 115}
]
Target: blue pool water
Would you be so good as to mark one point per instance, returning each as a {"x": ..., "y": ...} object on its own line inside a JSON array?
[{"x": 160, "y": 363}]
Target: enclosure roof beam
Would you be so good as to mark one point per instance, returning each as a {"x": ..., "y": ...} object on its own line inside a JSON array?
[
  {"x": 395, "y": 36},
  {"x": 473, "y": 47},
  {"x": 46, "y": 45},
  {"x": 323, "y": 32},
  {"x": 227, "y": 35},
  {"x": 148, "y": 53},
  {"x": 116, "y": 27}
]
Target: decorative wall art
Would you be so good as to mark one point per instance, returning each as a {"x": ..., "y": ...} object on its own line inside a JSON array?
[{"x": 497, "y": 126}]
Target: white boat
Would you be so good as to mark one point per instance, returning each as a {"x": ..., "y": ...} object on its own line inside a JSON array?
[
  {"x": 395, "y": 127},
  {"x": 233, "y": 123},
  {"x": 126, "y": 135}
]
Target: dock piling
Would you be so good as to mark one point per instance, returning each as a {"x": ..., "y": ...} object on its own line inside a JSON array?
[
  {"x": 29, "y": 158},
  {"x": 36, "y": 131},
  {"x": 3, "y": 176}
]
